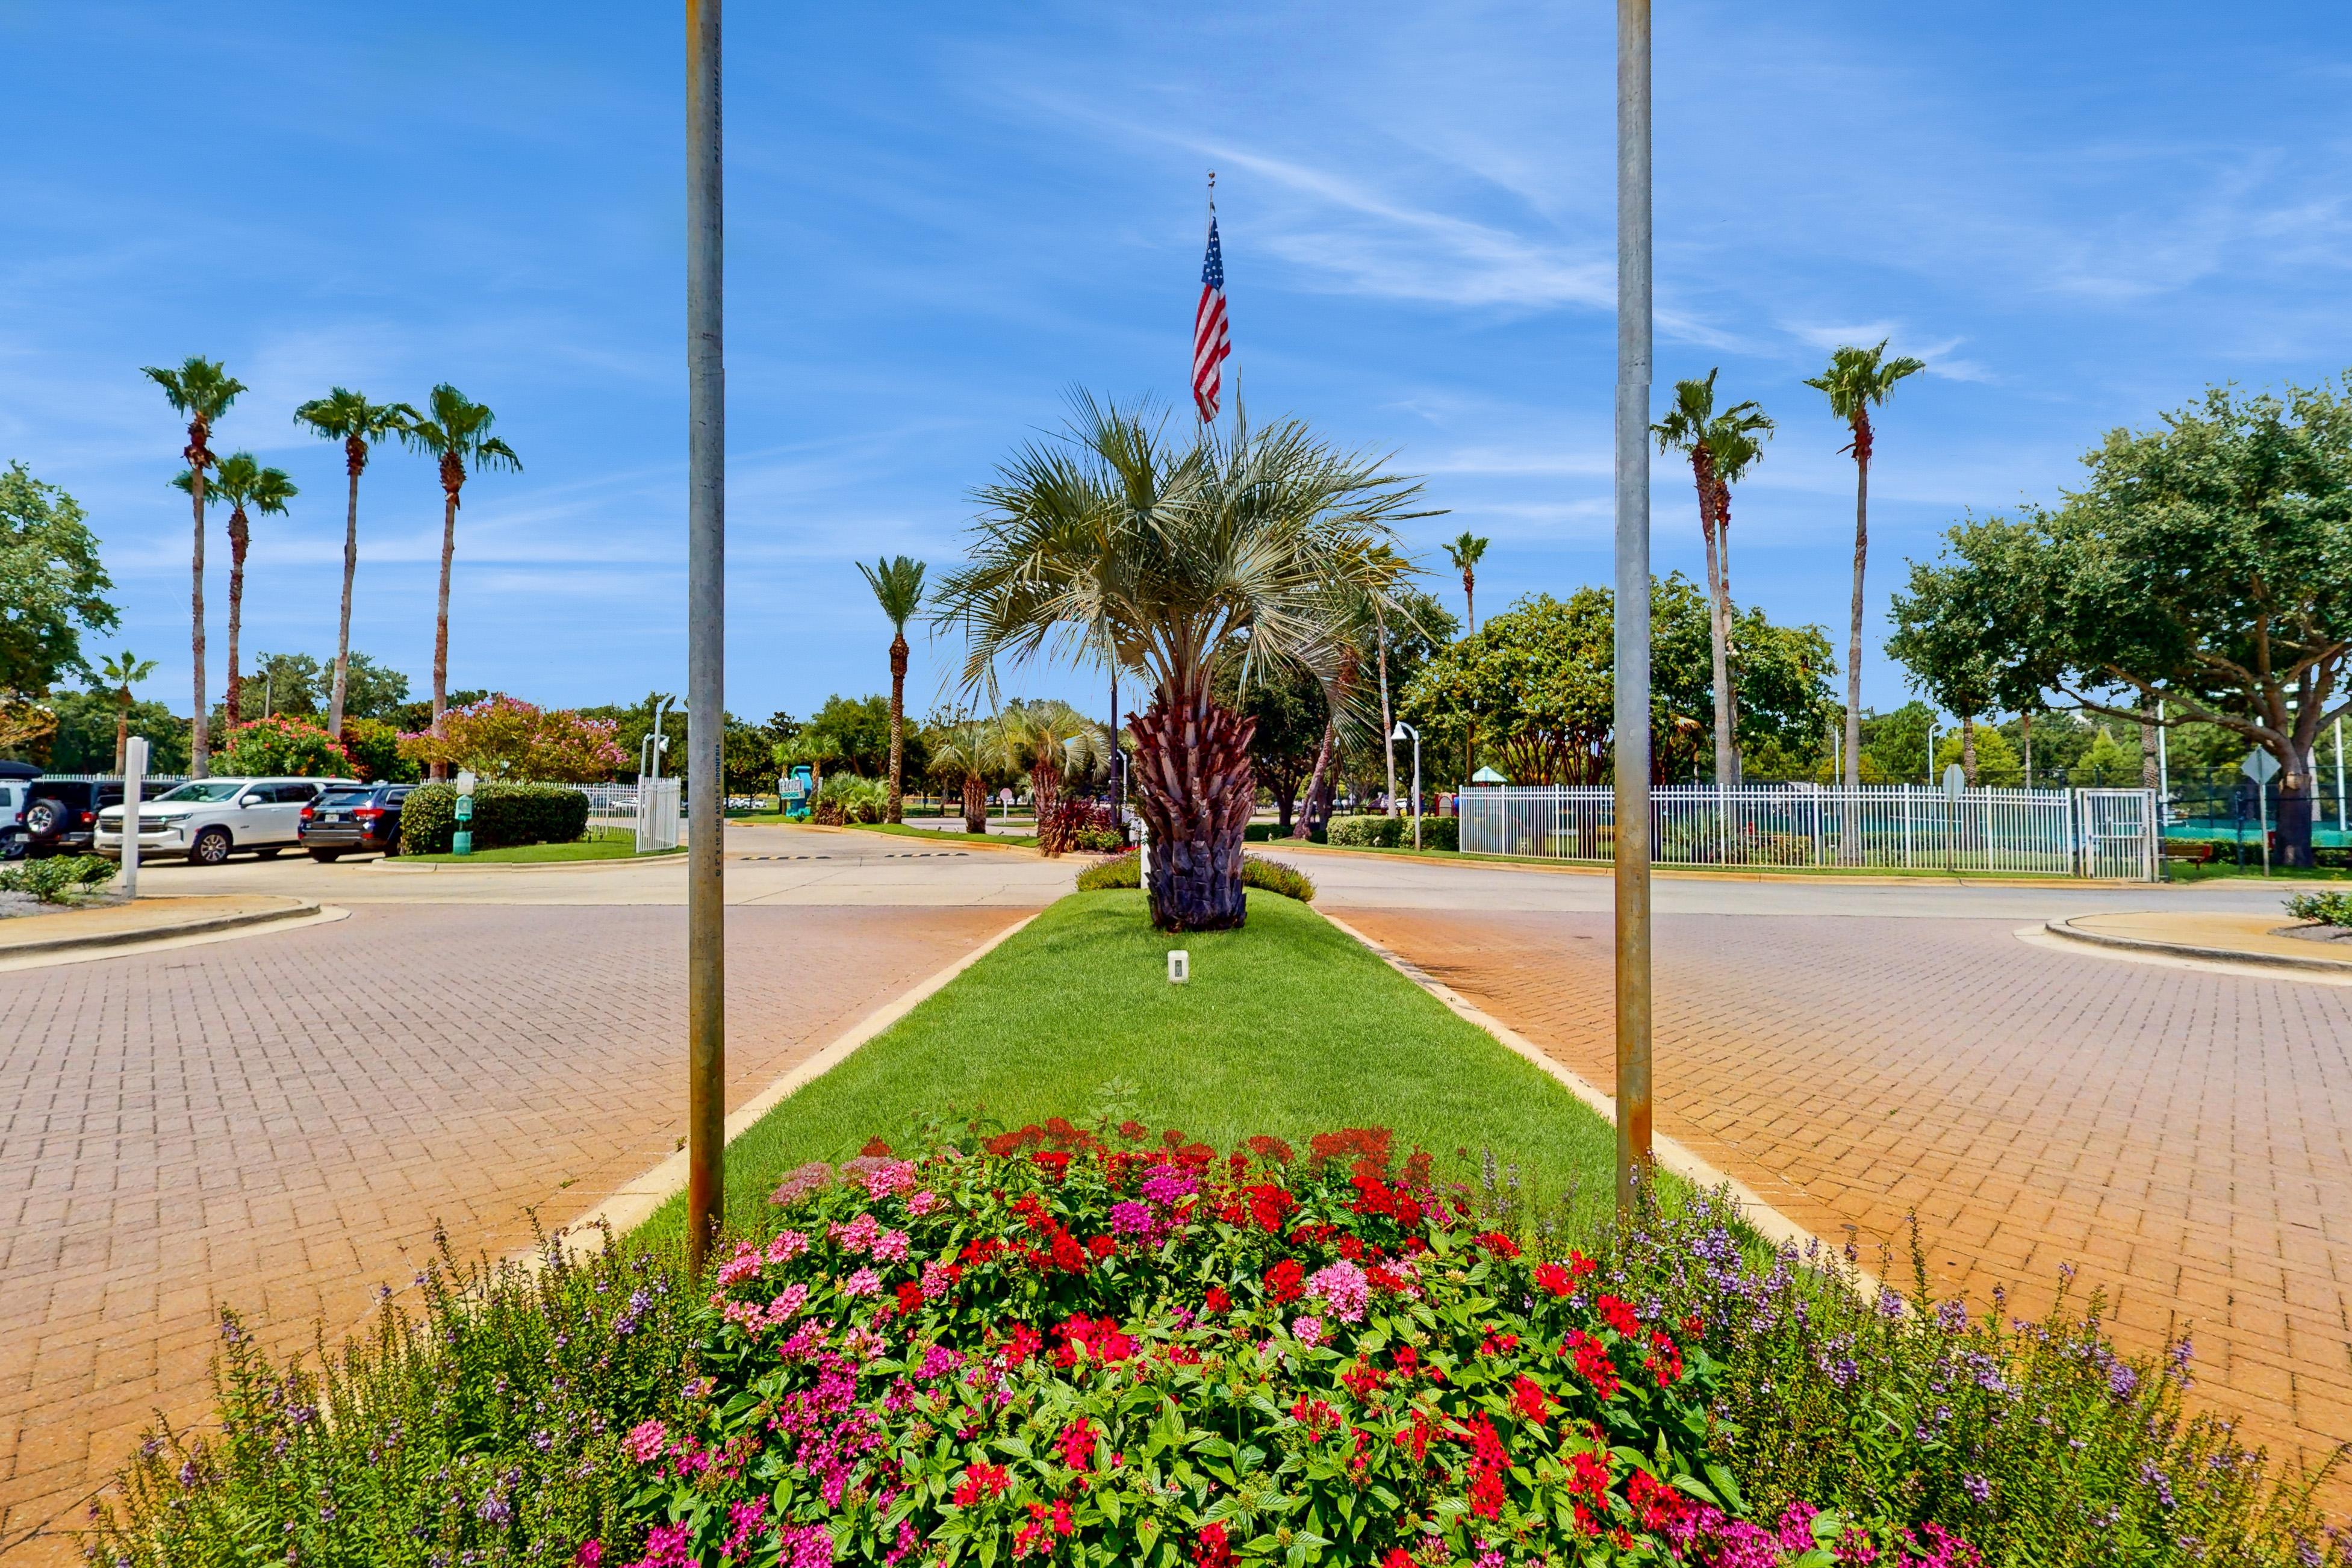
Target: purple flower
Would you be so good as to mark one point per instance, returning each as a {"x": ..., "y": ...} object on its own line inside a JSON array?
[
  {"x": 1132, "y": 1219},
  {"x": 1979, "y": 1489},
  {"x": 1166, "y": 1184}
]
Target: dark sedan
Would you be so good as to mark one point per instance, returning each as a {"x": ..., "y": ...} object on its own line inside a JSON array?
[{"x": 349, "y": 820}]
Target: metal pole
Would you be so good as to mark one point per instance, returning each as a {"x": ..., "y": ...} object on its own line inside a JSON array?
[
  {"x": 1416, "y": 789},
  {"x": 134, "y": 776},
  {"x": 2339, "y": 773},
  {"x": 1632, "y": 848},
  {"x": 706, "y": 704},
  {"x": 2163, "y": 760}
]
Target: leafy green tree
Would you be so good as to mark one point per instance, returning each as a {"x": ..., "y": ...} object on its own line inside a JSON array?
[
  {"x": 1944, "y": 654},
  {"x": 87, "y": 721},
  {"x": 1985, "y": 756},
  {"x": 286, "y": 683},
  {"x": 1115, "y": 543},
  {"x": 456, "y": 431},
  {"x": 281, "y": 745},
  {"x": 200, "y": 391},
  {"x": 247, "y": 486},
  {"x": 1285, "y": 710},
  {"x": 744, "y": 756},
  {"x": 1722, "y": 448},
  {"x": 859, "y": 727},
  {"x": 1857, "y": 380},
  {"x": 123, "y": 672},
  {"x": 898, "y": 584},
  {"x": 370, "y": 690},
  {"x": 2206, "y": 565},
  {"x": 348, "y": 416},
  {"x": 1898, "y": 742},
  {"x": 52, "y": 588}
]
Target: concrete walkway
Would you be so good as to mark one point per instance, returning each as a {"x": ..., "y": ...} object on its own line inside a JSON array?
[
  {"x": 278, "y": 1122},
  {"x": 2181, "y": 1134}
]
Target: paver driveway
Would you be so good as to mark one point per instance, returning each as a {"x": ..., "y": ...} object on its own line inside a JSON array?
[
  {"x": 2182, "y": 1136},
  {"x": 278, "y": 1122}
]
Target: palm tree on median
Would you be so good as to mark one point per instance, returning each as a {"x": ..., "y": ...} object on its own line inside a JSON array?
[
  {"x": 200, "y": 391},
  {"x": 123, "y": 672},
  {"x": 1722, "y": 448},
  {"x": 898, "y": 584},
  {"x": 457, "y": 431},
  {"x": 243, "y": 483},
  {"x": 348, "y": 416},
  {"x": 1177, "y": 560},
  {"x": 1857, "y": 380}
]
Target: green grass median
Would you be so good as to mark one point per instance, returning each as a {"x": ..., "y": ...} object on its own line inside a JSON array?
[
  {"x": 601, "y": 844},
  {"x": 1288, "y": 1026}
]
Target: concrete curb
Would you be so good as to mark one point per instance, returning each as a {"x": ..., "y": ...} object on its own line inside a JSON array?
[
  {"x": 1671, "y": 1154},
  {"x": 295, "y": 909},
  {"x": 633, "y": 1201},
  {"x": 410, "y": 864},
  {"x": 1690, "y": 874},
  {"x": 2068, "y": 930}
]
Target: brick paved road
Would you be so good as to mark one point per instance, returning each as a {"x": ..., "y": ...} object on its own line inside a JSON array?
[
  {"x": 278, "y": 1121},
  {"x": 2182, "y": 1136}
]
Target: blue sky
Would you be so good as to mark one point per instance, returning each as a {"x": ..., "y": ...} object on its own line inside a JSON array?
[{"x": 943, "y": 216}]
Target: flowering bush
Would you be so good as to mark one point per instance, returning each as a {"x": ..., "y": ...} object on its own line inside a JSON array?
[
  {"x": 500, "y": 738},
  {"x": 277, "y": 744}
]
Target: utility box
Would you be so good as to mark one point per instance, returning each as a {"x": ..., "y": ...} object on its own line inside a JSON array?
[{"x": 1180, "y": 966}]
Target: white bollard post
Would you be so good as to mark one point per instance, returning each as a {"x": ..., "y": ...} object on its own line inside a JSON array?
[
  {"x": 1180, "y": 966},
  {"x": 134, "y": 775}
]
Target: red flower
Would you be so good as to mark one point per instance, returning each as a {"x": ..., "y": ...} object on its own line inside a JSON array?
[
  {"x": 1527, "y": 1398},
  {"x": 876, "y": 1149},
  {"x": 980, "y": 1482},
  {"x": 1551, "y": 1277},
  {"x": 1398, "y": 1557},
  {"x": 1214, "y": 1553},
  {"x": 1593, "y": 1363},
  {"x": 1655, "y": 1504},
  {"x": 1216, "y": 1300},
  {"x": 1589, "y": 1476},
  {"x": 1067, "y": 1255},
  {"x": 1664, "y": 1360},
  {"x": 1053, "y": 1161},
  {"x": 1285, "y": 1282},
  {"x": 1496, "y": 1242},
  {"x": 1078, "y": 1444},
  {"x": 911, "y": 1297},
  {"x": 1021, "y": 1343},
  {"x": 1063, "y": 1523},
  {"x": 1497, "y": 1344},
  {"x": 1486, "y": 1492},
  {"x": 1619, "y": 1315}
]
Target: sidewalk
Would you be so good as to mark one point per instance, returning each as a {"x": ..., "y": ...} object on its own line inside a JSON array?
[
  {"x": 142, "y": 919},
  {"x": 2232, "y": 938}
]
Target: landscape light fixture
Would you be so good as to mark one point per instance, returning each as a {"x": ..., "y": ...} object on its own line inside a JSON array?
[{"x": 1402, "y": 731}]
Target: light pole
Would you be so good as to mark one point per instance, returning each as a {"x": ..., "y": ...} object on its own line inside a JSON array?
[
  {"x": 706, "y": 643},
  {"x": 1931, "y": 753},
  {"x": 1402, "y": 730},
  {"x": 1631, "y": 850}
]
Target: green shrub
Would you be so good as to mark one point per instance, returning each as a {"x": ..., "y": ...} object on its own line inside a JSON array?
[
  {"x": 2327, "y": 909},
  {"x": 1437, "y": 833},
  {"x": 1382, "y": 832},
  {"x": 1273, "y": 832},
  {"x": 277, "y": 744},
  {"x": 846, "y": 797},
  {"x": 48, "y": 881},
  {"x": 505, "y": 814},
  {"x": 374, "y": 748},
  {"x": 1125, "y": 871}
]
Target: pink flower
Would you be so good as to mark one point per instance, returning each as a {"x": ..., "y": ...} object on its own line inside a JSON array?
[
  {"x": 1306, "y": 1331},
  {"x": 1344, "y": 1285},
  {"x": 922, "y": 1203},
  {"x": 590, "y": 1555},
  {"x": 890, "y": 1247},
  {"x": 786, "y": 1307},
  {"x": 787, "y": 1246},
  {"x": 865, "y": 1282},
  {"x": 669, "y": 1546},
  {"x": 895, "y": 1176},
  {"x": 645, "y": 1441},
  {"x": 858, "y": 1235}
]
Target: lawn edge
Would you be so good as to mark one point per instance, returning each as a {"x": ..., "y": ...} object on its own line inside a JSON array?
[
  {"x": 634, "y": 1201},
  {"x": 1673, "y": 1155}
]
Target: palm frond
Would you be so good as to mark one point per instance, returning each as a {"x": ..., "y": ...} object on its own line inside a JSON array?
[{"x": 898, "y": 584}]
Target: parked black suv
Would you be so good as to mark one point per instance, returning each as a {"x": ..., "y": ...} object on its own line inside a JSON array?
[
  {"x": 354, "y": 818},
  {"x": 60, "y": 816}
]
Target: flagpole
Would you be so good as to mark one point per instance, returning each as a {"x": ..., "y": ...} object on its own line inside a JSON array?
[
  {"x": 1205, "y": 233},
  {"x": 1632, "y": 727}
]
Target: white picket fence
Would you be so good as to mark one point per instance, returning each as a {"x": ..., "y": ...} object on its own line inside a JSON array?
[{"x": 2108, "y": 833}]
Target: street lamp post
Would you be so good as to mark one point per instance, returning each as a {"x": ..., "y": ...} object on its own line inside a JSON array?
[
  {"x": 1402, "y": 730},
  {"x": 1632, "y": 726},
  {"x": 706, "y": 703}
]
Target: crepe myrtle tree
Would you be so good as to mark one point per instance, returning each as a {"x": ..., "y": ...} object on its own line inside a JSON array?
[
  {"x": 1113, "y": 542},
  {"x": 2206, "y": 565}
]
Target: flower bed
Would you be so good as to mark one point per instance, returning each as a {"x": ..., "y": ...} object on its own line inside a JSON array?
[{"x": 1079, "y": 1349}]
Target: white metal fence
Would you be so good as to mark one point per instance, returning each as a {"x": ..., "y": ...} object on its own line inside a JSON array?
[
  {"x": 2080, "y": 832},
  {"x": 657, "y": 814}
]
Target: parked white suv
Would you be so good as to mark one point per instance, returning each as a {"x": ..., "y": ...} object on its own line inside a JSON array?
[{"x": 206, "y": 819}]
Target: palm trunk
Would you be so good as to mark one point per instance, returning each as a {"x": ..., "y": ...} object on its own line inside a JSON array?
[
  {"x": 1388, "y": 720},
  {"x": 1045, "y": 798},
  {"x": 1470, "y": 604},
  {"x": 896, "y": 810},
  {"x": 975, "y": 805},
  {"x": 121, "y": 730},
  {"x": 1717, "y": 638},
  {"x": 1969, "y": 751},
  {"x": 200, "y": 745},
  {"x": 2025, "y": 733},
  {"x": 239, "y": 538},
  {"x": 1853, "y": 635},
  {"x": 354, "y": 459},
  {"x": 1730, "y": 651},
  {"x": 1193, "y": 788},
  {"x": 441, "y": 621},
  {"x": 1306, "y": 828}
]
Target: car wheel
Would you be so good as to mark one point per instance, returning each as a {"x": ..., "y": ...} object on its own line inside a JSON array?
[
  {"x": 210, "y": 846},
  {"x": 44, "y": 819},
  {"x": 326, "y": 856},
  {"x": 268, "y": 852}
]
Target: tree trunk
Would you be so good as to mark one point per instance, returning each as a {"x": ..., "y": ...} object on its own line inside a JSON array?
[
  {"x": 2293, "y": 829},
  {"x": 1306, "y": 828},
  {"x": 239, "y": 538},
  {"x": 1968, "y": 750},
  {"x": 121, "y": 730},
  {"x": 200, "y": 745},
  {"x": 354, "y": 460},
  {"x": 2147, "y": 755},
  {"x": 449, "y": 487},
  {"x": 1193, "y": 788},
  {"x": 2025, "y": 733},
  {"x": 895, "y": 811},
  {"x": 1286, "y": 803},
  {"x": 1470, "y": 603},
  {"x": 1388, "y": 721},
  {"x": 1853, "y": 636},
  {"x": 1730, "y": 652},
  {"x": 975, "y": 805},
  {"x": 1717, "y": 635},
  {"x": 1045, "y": 796}
]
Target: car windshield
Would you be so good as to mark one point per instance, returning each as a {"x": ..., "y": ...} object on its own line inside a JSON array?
[
  {"x": 342, "y": 797},
  {"x": 204, "y": 789}
]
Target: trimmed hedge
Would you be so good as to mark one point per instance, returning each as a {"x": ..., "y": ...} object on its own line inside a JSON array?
[
  {"x": 1368, "y": 832},
  {"x": 1267, "y": 876},
  {"x": 1438, "y": 833},
  {"x": 505, "y": 815}
]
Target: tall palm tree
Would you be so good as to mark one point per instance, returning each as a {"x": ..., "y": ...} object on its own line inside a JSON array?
[
  {"x": 348, "y": 416},
  {"x": 123, "y": 672},
  {"x": 898, "y": 584},
  {"x": 1465, "y": 552},
  {"x": 1721, "y": 448},
  {"x": 1178, "y": 560},
  {"x": 1856, "y": 381},
  {"x": 200, "y": 391},
  {"x": 243, "y": 483},
  {"x": 457, "y": 432}
]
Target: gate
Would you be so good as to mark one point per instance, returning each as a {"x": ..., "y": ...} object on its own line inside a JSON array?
[
  {"x": 657, "y": 814},
  {"x": 2117, "y": 832}
]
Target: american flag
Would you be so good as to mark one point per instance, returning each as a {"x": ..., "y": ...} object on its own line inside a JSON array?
[{"x": 1210, "y": 344}]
